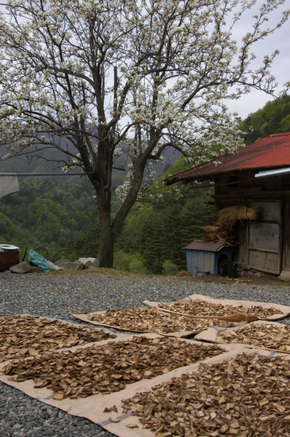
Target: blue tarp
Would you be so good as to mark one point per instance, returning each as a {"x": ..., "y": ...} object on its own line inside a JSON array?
[{"x": 37, "y": 260}]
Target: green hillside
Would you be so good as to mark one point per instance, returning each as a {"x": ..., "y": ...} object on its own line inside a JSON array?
[
  {"x": 60, "y": 221},
  {"x": 48, "y": 217},
  {"x": 273, "y": 118}
]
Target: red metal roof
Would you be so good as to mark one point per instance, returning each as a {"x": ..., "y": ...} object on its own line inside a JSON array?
[{"x": 268, "y": 153}]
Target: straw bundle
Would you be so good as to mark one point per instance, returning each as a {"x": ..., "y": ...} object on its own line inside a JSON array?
[
  {"x": 222, "y": 229},
  {"x": 229, "y": 216},
  {"x": 214, "y": 233}
]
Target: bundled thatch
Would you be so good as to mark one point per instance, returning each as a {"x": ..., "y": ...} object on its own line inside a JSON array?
[
  {"x": 214, "y": 233},
  {"x": 229, "y": 216},
  {"x": 223, "y": 228}
]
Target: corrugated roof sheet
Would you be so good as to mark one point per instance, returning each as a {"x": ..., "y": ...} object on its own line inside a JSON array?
[{"x": 270, "y": 152}]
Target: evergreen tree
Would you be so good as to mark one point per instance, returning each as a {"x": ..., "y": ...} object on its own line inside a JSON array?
[{"x": 273, "y": 118}]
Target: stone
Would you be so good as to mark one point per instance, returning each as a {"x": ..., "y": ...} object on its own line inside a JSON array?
[
  {"x": 284, "y": 276},
  {"x": 22, "y": 267},
  {"x": 52, "y": 266},
  {"x": 95, "y": 261},
  {"x": 86, "y": 262},
  {"x": 90, "y": 262},
  {"x": 68, "y": 265}
]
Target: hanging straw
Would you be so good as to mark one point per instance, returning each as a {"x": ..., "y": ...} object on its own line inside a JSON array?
[{"x": 229, "y": 216}]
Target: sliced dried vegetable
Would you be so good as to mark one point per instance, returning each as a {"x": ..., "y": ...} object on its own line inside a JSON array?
[
  {"x": 107, "y": 368},
  {"x": 204, "y": 308},
  {"x": 248, "y": 397},
  {"x": 24, "y": 336},
  {"x": 262, "y": 335},
  {"x": 152, "y": 320}
]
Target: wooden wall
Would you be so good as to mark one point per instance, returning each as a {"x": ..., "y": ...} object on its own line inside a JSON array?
[{"x": 265, "y": 244}]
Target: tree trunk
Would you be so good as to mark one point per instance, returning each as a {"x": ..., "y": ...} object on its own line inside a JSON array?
[
  {"x": 110, "y": 229},
  {"x": 107, "y": 237},
  {"x": 106, "y": 247}
]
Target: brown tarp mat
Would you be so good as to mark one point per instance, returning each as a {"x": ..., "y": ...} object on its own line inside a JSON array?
[
  {"x": 202, "y": 321},
  {"x": 265, "y": 335},
  {"x": 193, "y": 326},
  {"x": 248, "y": 395},
  {"x": 106, "y": 409},
  {"x": 25, "y": 335},
  {"x": 283, "y": 311},
  {"x": 87, "y": 317},
  {"x": 114, "y": 420}
]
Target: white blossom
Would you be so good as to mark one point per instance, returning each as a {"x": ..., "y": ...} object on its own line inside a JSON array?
[{"x": 145, "y": 75}]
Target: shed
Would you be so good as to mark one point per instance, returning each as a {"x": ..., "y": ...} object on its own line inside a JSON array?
[
  {"x": 206, "y": 257},
  {"x": 256, "y": 176}
]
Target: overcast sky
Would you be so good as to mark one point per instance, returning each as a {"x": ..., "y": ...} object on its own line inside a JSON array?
[{"x": 280, "y": 40}]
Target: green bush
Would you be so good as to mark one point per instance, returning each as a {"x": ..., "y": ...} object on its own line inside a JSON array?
[
  {"x": 169, "y": 268},
  {"x": 136, "y": 265},
  {"x": 130, "y": 263}
]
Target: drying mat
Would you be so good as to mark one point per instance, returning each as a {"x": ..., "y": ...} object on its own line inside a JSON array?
[
  {"x": 199, "y": 306},
  {"x": 107, "y": 410},
  {"x": 146, "y": 320},
  {"x": 261, "y": 334},
  {"x": 246, "y": 395},
  {"x": 24, "y": 335}
]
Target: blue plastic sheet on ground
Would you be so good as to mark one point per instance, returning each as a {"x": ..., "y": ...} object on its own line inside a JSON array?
[{"x": 38, "y": 260}]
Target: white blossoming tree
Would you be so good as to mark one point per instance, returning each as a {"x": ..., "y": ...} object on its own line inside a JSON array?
[{"x": 147, "y": 74}]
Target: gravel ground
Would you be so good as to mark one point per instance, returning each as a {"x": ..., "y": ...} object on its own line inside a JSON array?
[{"x": 58, "y": 294}]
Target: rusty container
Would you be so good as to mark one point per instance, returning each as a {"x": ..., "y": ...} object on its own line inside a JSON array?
[{"x": 9, "y": 256}]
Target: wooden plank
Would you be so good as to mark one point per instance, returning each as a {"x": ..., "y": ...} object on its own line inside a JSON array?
[
  {"x": 262, "y": 250},
  {"x": 286, "y": 248},
  {"x": 267, "y": 262},
  {"x": 271, "y": 210},
  {"x": 264, "y": 236}
]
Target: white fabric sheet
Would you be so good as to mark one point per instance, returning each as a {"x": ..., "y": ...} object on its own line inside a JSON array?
[{"x": 8, "y": 184}]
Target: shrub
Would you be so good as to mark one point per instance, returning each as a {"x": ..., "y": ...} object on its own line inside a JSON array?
[
  {"x": 169, "y": 268},
  {"x": 130, "y": 263}
]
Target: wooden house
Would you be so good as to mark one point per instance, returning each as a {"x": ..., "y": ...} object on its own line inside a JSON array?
[{"x": 255, "y": 177}]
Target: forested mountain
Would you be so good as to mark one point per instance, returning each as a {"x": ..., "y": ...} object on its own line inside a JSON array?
[
  {"x": 273, "y": 118},
  {"x": 48, "y": 217},
  {"x": 51, "y": 162},
  {"x": 59, "y": 220},
  {"x": 57, "y": 217}
]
